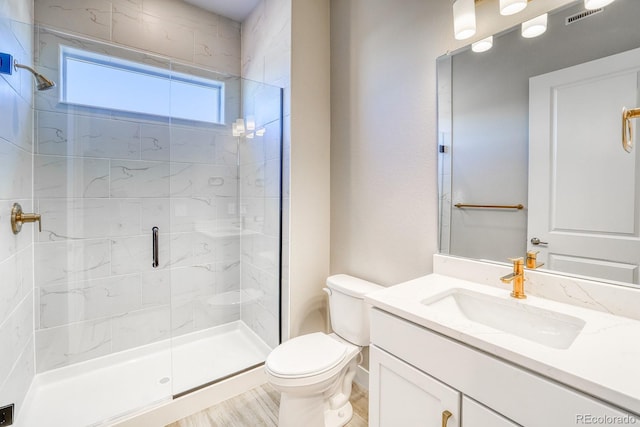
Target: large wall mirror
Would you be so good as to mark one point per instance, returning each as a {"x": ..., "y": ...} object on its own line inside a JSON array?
[{"x": 538, "y": 123}]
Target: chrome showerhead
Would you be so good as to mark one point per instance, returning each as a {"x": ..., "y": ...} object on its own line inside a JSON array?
[{"x": 42, "y": 83}]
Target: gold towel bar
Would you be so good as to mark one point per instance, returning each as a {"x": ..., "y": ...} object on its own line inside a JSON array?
[{"x": 463, "y": 205}]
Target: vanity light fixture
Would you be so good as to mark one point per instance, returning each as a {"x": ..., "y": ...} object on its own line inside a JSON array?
[
  {"x": 596, "y": 4},
  {"x": 464, "y": 19},
  {"x": 482, "y": 45},
  {"x": 511, "y": 7},
  {"x": 534, "y": 27}
]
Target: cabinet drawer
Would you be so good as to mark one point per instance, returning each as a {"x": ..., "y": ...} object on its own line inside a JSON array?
[{"x": 518, "y": 394}]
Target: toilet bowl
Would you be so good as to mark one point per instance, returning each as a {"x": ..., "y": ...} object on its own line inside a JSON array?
[{"x": 314, "y": 372}]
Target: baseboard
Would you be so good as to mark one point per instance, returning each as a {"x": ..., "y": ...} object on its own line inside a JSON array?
[
  {"x": 362, "y": 377},
  {"x": 176, "y": 409}
]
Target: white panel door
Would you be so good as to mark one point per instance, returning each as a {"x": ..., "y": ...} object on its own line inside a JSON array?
[
  {"x": 583, "y": 186},
  {"x": 401, "y": 395}
]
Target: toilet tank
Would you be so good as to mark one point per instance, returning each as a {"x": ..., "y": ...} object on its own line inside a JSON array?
[{"x": 347, "y": 309}]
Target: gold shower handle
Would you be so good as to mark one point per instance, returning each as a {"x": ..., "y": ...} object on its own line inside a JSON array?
[
  {"x": 18, "y": 218},
  {"x": 627, "y": 129}
]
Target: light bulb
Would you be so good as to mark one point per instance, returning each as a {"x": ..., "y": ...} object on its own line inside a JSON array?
[
  {"x": 464, "y": 19},
  {"x": 534, "y": 27},
  {"x": 251, "y": 123},
  {"x": 511, "y": 7},
  {"x": 596, "y": 4},
  {"x": 240, "y": 125},
  {"x": 482, "y": 45}
]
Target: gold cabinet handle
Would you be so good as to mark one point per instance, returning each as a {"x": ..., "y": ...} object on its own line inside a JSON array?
[
  {"x": 18, "y": 218},
  {"x": 445, "y": 417}
]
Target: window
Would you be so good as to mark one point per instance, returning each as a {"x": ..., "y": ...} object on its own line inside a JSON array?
[{"x": 93, "y": 80}]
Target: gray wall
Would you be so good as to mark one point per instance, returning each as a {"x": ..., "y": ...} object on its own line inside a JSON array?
[
  {"x": 491, "y": 114},
  {"x": 383, "y": 136},
  {"x": 16, "y": 251}
]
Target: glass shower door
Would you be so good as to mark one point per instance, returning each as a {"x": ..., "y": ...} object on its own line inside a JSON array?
[
  {"x": 116, "y": 328},
  {"x": 225, "y": 235},
  {"x": 101, "y": 183}
]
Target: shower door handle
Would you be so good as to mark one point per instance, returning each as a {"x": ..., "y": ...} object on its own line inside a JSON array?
[{"x": 154, "y": 231}]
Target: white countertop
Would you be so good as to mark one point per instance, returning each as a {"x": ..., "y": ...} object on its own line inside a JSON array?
[{"x": 603, "y": 361}]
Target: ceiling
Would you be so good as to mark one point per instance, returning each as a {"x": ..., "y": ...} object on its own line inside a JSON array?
[{"x": 237, "y": 10}]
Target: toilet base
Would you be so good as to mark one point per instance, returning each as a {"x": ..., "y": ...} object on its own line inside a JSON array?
[
  {"x": 314, "y": 412},
  {"x": 338, "y": 417}
]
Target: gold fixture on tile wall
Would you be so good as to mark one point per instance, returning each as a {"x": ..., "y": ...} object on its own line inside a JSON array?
[{"x": 18, "y": 218}]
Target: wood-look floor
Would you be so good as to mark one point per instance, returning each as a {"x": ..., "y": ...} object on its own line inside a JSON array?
[{"x": 259, "y": 407}]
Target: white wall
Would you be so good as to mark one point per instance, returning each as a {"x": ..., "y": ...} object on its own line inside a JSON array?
[
  {"x": 16, "y": 251},
  {"x": 383, "y": 148},
  {"x": 310, "y": 191}
]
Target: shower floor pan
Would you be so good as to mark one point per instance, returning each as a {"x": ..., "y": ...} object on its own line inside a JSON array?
[{"x": 100, "y": 391}]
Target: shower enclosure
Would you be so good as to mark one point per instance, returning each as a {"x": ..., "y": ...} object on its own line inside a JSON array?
[{"x": 135, "y": 152}]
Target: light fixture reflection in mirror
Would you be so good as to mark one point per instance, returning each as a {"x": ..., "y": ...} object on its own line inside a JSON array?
[
  {"x": 482, "y": 45},
  {"x": 511, "y": 7},
  {"x": 534, "y": 27},
  {"x": 464, "y": 19},
  {"x": 596, "y": 4}
]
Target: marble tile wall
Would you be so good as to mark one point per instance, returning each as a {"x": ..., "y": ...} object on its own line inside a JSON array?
[
  {"x": 102, "y": 180},
  {"x": 266, "y": 57},
  {"x": 16, "y": 251},
  {"x": 171, "y": 28}
]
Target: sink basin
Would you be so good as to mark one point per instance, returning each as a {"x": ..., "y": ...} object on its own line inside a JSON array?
[{"x": 546, "y": 327}]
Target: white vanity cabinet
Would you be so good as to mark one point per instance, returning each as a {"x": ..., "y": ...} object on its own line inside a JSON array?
[
  {"x": 401, "y": 395},
  {"x": 416, "y": 374}
]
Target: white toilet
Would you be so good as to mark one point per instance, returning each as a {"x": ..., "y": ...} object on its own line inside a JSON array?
[{"x": 314, "y": 372}]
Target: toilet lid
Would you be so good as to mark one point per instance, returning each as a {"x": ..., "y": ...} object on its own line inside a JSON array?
[{"x": 306, "y": 355}]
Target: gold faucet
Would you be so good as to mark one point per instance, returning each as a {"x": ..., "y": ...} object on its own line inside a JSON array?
[
  {"x": 532, "y": 262},
  {"x": 517, "y": 277}
]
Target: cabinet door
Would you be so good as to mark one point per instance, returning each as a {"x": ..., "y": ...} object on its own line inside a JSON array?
[
  {"x": 401, "y": 395},
  {"x": 477, "y": 415}
]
